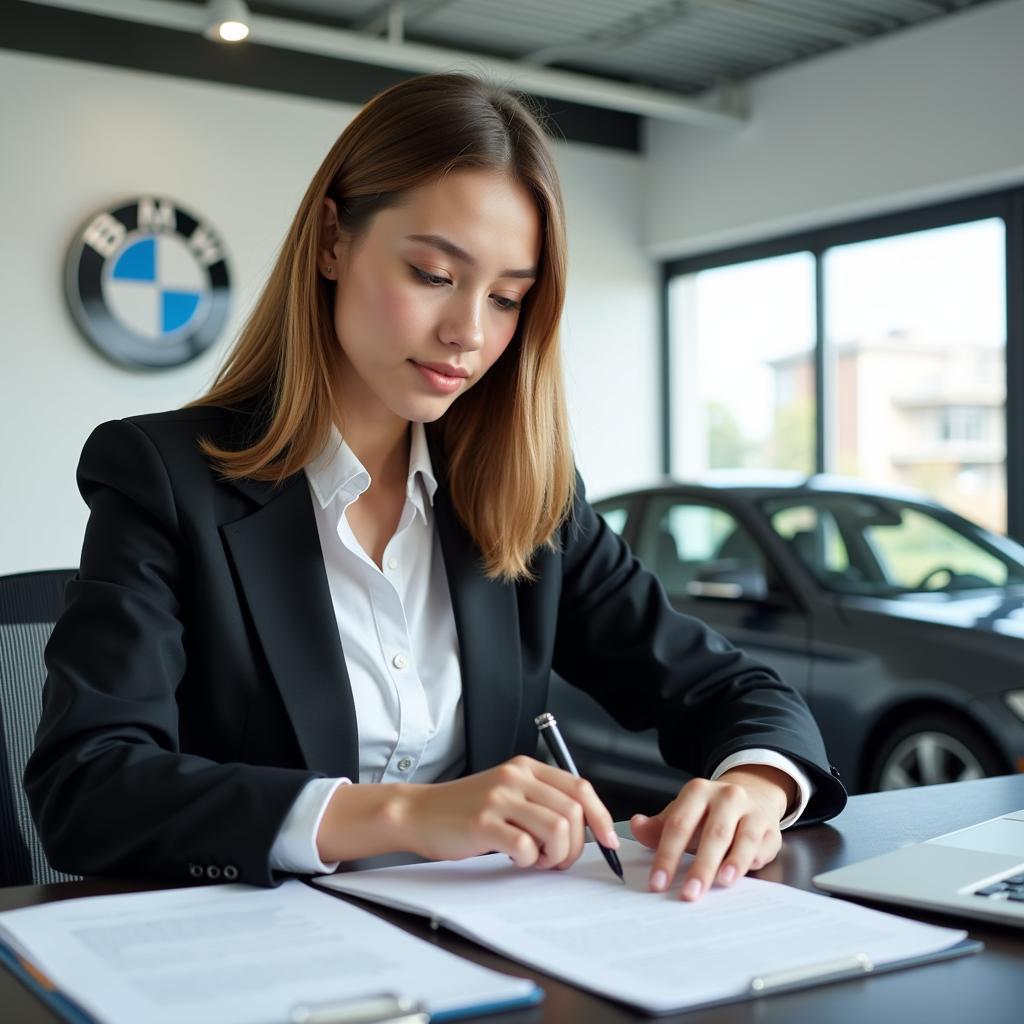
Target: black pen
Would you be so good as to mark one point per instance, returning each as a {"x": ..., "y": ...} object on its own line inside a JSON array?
[{"x": 548, "y": 728}]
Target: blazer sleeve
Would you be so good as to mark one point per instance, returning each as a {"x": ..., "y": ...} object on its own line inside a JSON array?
[
  {"x": 621, "y": 640},
  {"x": 109, "y": 787}
]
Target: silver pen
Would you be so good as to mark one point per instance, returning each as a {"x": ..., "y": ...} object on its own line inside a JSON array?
[{"x": 549, "y": 732}]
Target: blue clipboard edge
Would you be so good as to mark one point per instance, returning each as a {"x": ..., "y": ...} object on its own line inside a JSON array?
[
  {"x": 64, "y": 1007},
  {"x": 532, "y": 998}
]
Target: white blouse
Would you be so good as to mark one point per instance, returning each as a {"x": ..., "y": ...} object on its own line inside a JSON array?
[{"x": 397, "y": 631}]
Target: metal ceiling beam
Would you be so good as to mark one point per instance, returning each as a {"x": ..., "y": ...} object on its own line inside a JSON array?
[
  {"x": 784, "y": 19},
  {"x": 382, "y": 19},
  {"x": 617, "y": 33},
  {"x": 308, "y": 38}
]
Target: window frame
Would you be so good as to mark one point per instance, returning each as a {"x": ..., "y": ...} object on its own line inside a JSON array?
[{"x": 1007, "y": 204}]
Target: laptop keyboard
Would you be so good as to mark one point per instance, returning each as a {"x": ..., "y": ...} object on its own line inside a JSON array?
[{"x": 1008, "y": 889}]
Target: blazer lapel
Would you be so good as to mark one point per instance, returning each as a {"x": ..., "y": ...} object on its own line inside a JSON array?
[
  {"x": 487, "y": 623},
  {"x": 276, "y": 552}
]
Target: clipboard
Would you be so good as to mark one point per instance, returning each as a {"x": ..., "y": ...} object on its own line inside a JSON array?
[{"x": 316, "y": 960}]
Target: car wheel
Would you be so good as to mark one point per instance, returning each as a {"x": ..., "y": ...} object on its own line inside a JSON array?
[{"x": 933, "y": 749}]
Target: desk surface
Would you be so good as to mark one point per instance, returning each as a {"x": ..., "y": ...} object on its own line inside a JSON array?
[{"x": 982, "y": 989}]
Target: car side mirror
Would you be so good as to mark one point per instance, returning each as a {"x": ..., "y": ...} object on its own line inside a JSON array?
[{"x": 729, "y": 581}]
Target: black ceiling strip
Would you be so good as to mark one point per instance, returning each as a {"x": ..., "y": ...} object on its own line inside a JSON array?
[{"x": 34, "y": 28}]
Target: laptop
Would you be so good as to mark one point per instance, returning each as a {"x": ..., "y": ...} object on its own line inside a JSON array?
[{"x": 973, "y": 872}]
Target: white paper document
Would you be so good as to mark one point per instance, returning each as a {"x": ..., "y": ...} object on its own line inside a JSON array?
[
  {"x": 233, "y": 954},
  {"x": 651, "y": 950}
]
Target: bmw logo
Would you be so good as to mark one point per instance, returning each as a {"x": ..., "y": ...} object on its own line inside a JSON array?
[{"x": 147, "y": 283}]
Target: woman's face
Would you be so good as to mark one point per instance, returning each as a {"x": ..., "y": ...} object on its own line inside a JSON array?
[{"x": 428, "y": 297}]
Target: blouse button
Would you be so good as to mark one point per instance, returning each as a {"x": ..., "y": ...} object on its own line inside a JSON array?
[
  {"x": 400, "y": 661},
  {"x": 392, "y": 563},
  {"x": 405, "y": 764}
]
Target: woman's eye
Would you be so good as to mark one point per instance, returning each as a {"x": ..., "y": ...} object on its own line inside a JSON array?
[
  {"x": 510, "y": 305},
  {"x": 426, "y": 278}
]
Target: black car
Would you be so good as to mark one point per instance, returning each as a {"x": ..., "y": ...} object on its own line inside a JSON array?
[{"x": 900, "y": 622}]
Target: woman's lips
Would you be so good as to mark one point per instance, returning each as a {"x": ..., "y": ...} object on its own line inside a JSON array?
[{"x": 442, "y": 383}]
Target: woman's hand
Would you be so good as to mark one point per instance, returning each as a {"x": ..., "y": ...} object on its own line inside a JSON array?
[
  {"x": 732, "y": 824},
  {"x": 525, "y": 808}
]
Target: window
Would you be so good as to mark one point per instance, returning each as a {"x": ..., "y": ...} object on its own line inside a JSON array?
[
  {"x": 916, "y": 338},
  {"x": 876, "y": 349},
  {"x": 700, "y": 550},
  {"x": 814, "y": 537},
  {"x": 615, "y": 516},
  {"x": 921, "y": 553},
  {"x": 742, "y": 383},
  {"x": 855, "y": 544}
]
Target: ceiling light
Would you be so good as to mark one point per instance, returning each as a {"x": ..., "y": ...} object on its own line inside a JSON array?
[{"x": 227, "y": 20}]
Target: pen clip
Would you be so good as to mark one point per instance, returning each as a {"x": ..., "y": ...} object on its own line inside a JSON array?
[
  {"x": 382, "y": 1008},
  {"x": 797, "y": 977}
]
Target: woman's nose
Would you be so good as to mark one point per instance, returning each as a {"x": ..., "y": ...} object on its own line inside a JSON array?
[{"x": 463, "y": 323}]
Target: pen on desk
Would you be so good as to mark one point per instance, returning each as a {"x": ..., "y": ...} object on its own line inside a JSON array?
[{"x": 548, "y": 729}]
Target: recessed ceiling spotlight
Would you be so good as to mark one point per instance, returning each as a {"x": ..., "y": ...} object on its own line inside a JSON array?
[{"x": 227, "y": 20}]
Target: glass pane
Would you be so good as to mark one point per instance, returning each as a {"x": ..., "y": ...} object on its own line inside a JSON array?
[
  {"x": 681, "y": 541},
  {"x": 742, "y": 387},
  {"x": 815, "y": 538},
  {"x": 861, "y": 545},
  {"x": 923, "y": 554},
  {"x": 916, "y": 343},
  {"x": 615, "y": 518}
]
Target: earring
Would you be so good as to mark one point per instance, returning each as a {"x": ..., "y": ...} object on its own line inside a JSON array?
[{"x": 329, "y": 270}]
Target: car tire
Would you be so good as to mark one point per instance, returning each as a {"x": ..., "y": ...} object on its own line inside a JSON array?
[{"x": 932, "y": 749}]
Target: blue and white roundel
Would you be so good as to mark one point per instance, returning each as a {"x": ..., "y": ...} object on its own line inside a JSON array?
[
  {"x": 147, "y": 283},
  {"x": 154, "y": 287}
]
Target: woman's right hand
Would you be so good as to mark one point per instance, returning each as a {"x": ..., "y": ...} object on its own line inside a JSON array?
[
  {"x": 524, "y": 808},
  {"x": 527, "y": 809}
]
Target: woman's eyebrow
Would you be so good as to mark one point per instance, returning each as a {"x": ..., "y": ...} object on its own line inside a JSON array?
[{"x": 449, "y": 247}]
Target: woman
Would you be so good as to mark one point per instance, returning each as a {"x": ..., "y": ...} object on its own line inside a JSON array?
[{"x": 361, "y": 554}]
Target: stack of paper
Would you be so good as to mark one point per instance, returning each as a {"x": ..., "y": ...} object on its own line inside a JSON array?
[{"x": 653, "y": 950}]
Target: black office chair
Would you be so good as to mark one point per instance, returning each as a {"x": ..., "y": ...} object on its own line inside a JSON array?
[{"x": 29, "y": 605}]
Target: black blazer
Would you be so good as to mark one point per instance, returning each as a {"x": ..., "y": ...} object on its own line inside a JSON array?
[{"x": 196, "y": 680}]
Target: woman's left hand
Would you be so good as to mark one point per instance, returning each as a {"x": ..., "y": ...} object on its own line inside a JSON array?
[{"x": 731, "y": 823}]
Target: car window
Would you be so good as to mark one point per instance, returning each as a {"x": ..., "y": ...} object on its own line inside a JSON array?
[
  {"x": 615, "y": 516},
  {"x": 923, "y": 553},
  {"x": 882, "y": 547},
  {"x": 815, "y": 538},
  {"x": 682, "y": 540}
]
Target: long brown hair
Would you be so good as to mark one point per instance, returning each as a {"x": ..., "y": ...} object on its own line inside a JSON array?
[{"x": 505, "y": 443}]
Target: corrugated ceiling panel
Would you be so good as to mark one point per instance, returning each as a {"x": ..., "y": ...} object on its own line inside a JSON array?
[{"x": 700, "y": 42}]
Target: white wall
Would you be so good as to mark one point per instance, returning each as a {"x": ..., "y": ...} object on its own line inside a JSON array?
[
  {"x": 926, "y": 114},
  {"x": 80, "y": 136}
]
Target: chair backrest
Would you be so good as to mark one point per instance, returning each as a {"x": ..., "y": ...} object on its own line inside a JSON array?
[{"x": 29, "y": 605}]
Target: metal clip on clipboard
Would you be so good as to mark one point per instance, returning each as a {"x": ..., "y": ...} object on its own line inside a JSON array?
[
  {"x": 380, "y": 1009},
  {"x": 814, "y": 974}
]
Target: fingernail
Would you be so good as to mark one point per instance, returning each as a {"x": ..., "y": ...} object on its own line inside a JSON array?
[
  {"x": 611, "y": 839},
  {"x": 692, "y": 889},
  {"x": 727, "y": 875},
  {"x": 659, "y": 880}
]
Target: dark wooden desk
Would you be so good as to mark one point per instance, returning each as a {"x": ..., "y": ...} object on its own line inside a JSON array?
[{"x": 983, "y": 989}]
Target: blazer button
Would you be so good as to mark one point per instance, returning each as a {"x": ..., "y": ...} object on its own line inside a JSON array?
[
  {"x": 195, "y": 870},
  {"x": 230, "y": 872},
  {"x": 212, "y": 872}
]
